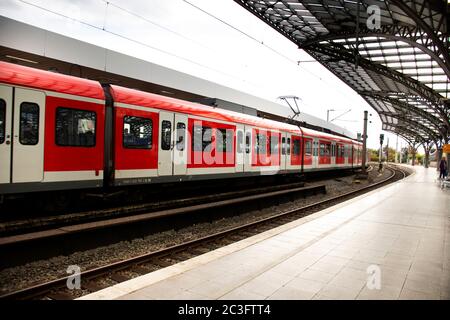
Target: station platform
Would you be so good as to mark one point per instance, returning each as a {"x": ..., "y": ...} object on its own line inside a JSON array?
[{"x": 391, "y": 243}]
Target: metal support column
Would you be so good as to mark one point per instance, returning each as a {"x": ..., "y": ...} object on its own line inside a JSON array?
[
  {"x": 413, "y": 151},
  {"x": 364, "y": 150}
]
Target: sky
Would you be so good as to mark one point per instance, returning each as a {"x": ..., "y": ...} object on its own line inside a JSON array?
[{"x": 215, "y": 40}]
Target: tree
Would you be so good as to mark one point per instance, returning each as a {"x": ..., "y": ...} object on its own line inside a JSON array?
[
  {"x": 390, "y": 153},
  {"x": 420, "y": 158},
  {"x": 373, "y": 155}
]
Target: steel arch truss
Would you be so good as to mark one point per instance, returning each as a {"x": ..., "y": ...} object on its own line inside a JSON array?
[{"x": 401, "y": 67}]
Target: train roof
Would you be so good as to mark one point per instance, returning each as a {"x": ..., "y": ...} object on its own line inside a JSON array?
[
  {"x": 145, "y": 99},
  {"x": 323, "y": 135},
  {"x": 40, "y": 79},
  {"x": 140, "y": 98}
]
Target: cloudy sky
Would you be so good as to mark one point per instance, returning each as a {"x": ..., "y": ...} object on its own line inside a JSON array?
[{"x": 215, "y": 40}]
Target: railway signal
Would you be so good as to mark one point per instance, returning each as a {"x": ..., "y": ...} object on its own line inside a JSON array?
[{"x": 380, "y": 165}]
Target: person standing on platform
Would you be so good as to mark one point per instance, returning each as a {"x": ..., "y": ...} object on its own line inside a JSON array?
[{"x": 443, "y": 168}]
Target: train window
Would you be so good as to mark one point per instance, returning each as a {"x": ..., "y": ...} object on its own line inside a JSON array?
[
  {"x": 2, "y": 120},
  {"x": 229, "y": 141},
  {"x": 240, "y": 140},
  {"x": 207, "y": 139},
  {"x": 29, "y": 123},
  {"x": 224, "y": 140},
  {"x": 137, "y": 132},
  {"x": 197, "y": 138},
  {"x": 166, "y": 134},
  {"x": 308, "y": 148},
  {"x": 247, "y": 142},
  {"x": 75, "y": 128},
  {"x": 221, "y": 140},
  {"x": 283, "y": 145},
  {"x": 181, "y": 136},
  {"x": 261, "y": 144},
  {"x": 325, "y": 149},
  {"x": 274, "y": 144},
  {"x": 288, "y": 144},
  {"x": 296, "y": 147}
]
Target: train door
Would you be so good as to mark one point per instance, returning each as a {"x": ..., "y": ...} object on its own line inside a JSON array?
[
  {"x": 28, "y": 136},
  {"x": 165, "y": 143},
  {"x": 240, "y": 148},
  {"x": 248, "y": 149},
  {"x": 349, "y": 154},
  {"x": 5, "y": 133},
  {"x": 333, "y": 153},
  {"x": 315, "y": 159},
  {"x": 285, "y": 152},
  {"x": 180, "y": 149}
]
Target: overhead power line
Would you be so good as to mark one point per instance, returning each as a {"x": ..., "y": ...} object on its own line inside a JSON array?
[{"x": 104, "y": 29}]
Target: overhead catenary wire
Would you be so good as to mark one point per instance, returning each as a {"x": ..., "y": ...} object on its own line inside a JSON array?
[
  {"x": 104, "y": 29},
  {"x": 296, "y": 62}
]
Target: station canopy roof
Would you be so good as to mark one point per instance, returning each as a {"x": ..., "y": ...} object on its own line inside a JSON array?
[{"x": 400, "y": 66}]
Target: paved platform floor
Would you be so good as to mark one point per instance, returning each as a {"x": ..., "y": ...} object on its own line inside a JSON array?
[{"x": 392, "y": 243}]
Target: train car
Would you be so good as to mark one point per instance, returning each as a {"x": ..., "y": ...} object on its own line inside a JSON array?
[
  {"x": 51, "y": 131},
  {"x": 325, "y": 151},
  {"x": 60, "y": 132}
]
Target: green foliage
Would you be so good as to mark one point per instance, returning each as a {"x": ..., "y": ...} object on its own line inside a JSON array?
[
  {"x": 373, "y": 154},
  {"x": 406, "y": 155}
]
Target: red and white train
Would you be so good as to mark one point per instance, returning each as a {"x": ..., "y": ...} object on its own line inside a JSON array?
[{"x": 60, "y": 132}]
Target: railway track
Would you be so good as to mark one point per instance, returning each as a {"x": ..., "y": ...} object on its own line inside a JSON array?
[
  {"x": 190, "y": 205},
  {"x": 92, "y": 279},
  {"x": 43, "y": 223}
]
